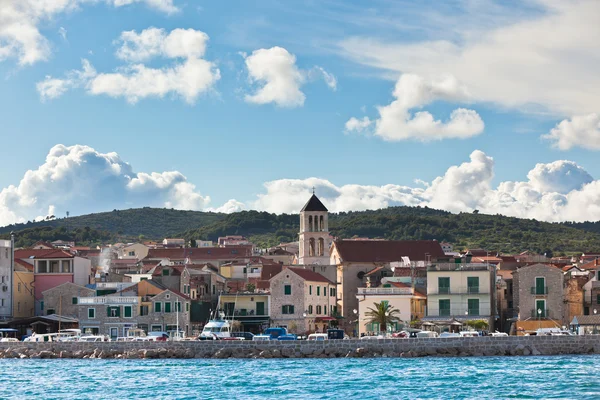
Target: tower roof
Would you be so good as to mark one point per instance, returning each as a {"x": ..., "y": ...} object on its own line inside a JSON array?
[{"x": 314, "y": 204}]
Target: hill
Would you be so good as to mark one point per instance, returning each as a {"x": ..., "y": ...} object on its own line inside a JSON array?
[{"x": 494, "y": 232}]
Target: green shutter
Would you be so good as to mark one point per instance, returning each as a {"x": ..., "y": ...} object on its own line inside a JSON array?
[
  {"x": 598, "y": 299},
  {"x": 444, "y": 306},
  {"x": 118, "y": 308},
  {"x": 540, "y": 285},
  {"x": 318, "y": 290},
  {"x": 74, "y": 300},
  {"x": 291, "y": 309},
  {"x": 444, "y": 285},
  {"x": 284, "y": 309},
  {"x": 108, "y": 311},
  {"x": 157, "y": 307},
  {"x": 473, "y": 306},
  {"x": 91, "y": 313},
  {"x": 127, "y": 311},
  {"x": 288, "y": 289},
  {"x": 167, "y": 307},
  {"x": 165, "y": 272},
  {"x": 310, "y": 289},
  {"x": 187, "y": 307},
  {"x": 473, "y": 284},
  {"x": 324, "y": 291}
]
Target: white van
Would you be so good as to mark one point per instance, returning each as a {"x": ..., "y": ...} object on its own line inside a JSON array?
[
  {"x": 427, "y": 334},
  {"x": 318, "y": 336}
]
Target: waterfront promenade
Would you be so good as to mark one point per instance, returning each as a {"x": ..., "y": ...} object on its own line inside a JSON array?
[{"x": 421, "y": 347}]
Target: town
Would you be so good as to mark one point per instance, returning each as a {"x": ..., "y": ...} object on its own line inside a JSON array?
[{"x": 360, "y": 287}]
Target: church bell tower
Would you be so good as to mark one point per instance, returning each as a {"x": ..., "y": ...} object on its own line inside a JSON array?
[{"x": 314, "y": 233}]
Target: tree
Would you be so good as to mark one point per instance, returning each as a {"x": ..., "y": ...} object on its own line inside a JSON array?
[
  {"x": 193, "y": 243},
  {"x": 383, "y": 314}
]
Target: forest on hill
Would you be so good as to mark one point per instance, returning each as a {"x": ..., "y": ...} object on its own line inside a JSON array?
[{"x": 464, "y": 230}]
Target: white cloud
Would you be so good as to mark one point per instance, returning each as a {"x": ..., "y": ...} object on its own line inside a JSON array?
[
  {"x": 188, "y": 78},
  {"x": 229, "y": 207},
  {"x": 396, "y": 123},
  {"x": 279, "y": 79},
  {"x": 543, "y": 60},
  {"x": 558, "y": 191},
  {"x": 62, "y": 32},
  {"x": 580, "y": 131},
  {"x": 20, "y": 36},
  {"x": 81, "y": 179}
]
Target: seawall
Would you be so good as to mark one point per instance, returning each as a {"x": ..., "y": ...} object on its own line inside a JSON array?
[{"x": 421, "y": 347}]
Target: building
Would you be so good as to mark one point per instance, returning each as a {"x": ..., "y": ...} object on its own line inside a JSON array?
[
  {"x": 23, "y": 293},
  {"x": 538, "y": 293},
  {"x": 314, "y": 233},
  {"x": 52, "y": 268},
  {"x": 402, "y": 297},
  {"x": 250, "y": 308},
  {"x": 6, "y": 280},
  {"x": 302, "y": 300},
  {"x": 62, "y": 299},
  {"x": 213, "y": 255},
  {"x": 173, "y": 242},
  {"x": 356, "y": 258},
  {"x": 145, "y": 306},
  {"x": 447, "y": 247},
  {"x": 134, "y": 251},
  {"x": 461, "y": 291},
  {"x": 204, "y": 243},
  {"x": 233, "y": 240}
]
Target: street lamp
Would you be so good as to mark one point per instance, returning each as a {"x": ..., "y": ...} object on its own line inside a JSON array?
[
  {"x": 539, "y": 310},
  {"x": 355, "y": 312},
  {"x": 595, "y": 331}
]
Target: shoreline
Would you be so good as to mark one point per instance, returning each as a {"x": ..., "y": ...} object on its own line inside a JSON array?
[{"x": 354, "y": 348}]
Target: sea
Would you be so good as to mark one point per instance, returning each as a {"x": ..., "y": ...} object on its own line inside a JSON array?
[{"x": 544, "y": 377}]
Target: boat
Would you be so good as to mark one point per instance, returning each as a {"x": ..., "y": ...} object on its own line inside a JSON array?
[{"x": 8, "y": 335}]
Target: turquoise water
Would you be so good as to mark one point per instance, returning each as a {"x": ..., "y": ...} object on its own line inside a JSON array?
[{"x": 478, "y": 377}]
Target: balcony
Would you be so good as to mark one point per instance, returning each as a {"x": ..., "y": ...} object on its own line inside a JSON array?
[
  {"x": 461, "y": 291},
  {"x": 458, "y": 267},
  {"x": 114, "y": 285},
  {"x": 107, "y": 300},
  {"x": 243, "y": 312},
  {"x": 384, "y": 291},
  {"x": 539, "y": 291},
  {"x": 545, "y": 313}
]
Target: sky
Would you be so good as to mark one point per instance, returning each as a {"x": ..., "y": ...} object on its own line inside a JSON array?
[{"x": 232, "y": 105}]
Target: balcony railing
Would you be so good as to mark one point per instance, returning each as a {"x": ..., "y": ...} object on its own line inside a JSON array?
[
  {"x": 114, "y": 285},
  {"x": 459, "y": 267},
  {"x": 108, "y": 300},
  {"x": 384, "y": 291},
  {"x": 243, "y": 312},
  {"x": 545, "y": 313},
  {"x": 539, "y": 291},
  {"x": 463, "y": 290}
]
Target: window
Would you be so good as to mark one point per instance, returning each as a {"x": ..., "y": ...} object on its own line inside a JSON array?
[
  {"x": 157, "y": 306},
  {"x": 19, "y": 287},
  {"x": 444, "y": 307},
  {"x": 165, "y": 272},
  {"x": 42, "y": 305},
  {"x": 66, "y": 266},
  {"x": 310, "y": 309},
  {"x": 310, "y": 290},
  {"x": 74, "y": 300},
  {"x": 113, "y": 311},
  {"x": 167, "y": 307},
  {"x": 472, "y": 284},
  {"x": 19, "y": 306},
  {"x": 540, "y": 311},
  {"x": 319, "y": 310},
  {"x": 178, "y": 306},
  {"x": 540, "y": 285},
  {"x": 444, "y": 285},
  {"x": 324, "y": 291},
  {"x": 131, "y": 254},
  {"x": 2, "y": 303},
  {"x": 287, "y": 309},
  {"x": 598, "y": 299},
  {"x": 50, "y": 310},
  {"x": 214, "y": 289},
  {"x": 187, "y": 307},
  {"x": 143, "y": 310},
  {"x": 91, "y": 313},
  {"x": 127, "y": 311},
  {"x": 332, "y": 292},
  {"x": 318, "y": 290},
  {"x": 42, "y": 267},
  {"x": 287, "y": 289},
  {"x": 473, "y": 306}
]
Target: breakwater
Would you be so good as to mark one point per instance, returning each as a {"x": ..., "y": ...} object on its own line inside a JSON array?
[{"x": 421, "y": 347}]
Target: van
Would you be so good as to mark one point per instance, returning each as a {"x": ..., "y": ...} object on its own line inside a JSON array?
[
  {"x": 318, "y": 336},
  {"x": 427, "y": 334}
]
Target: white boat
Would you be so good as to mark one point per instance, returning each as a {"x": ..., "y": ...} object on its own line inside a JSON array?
[
  {"x": 216, "y": 329},
  {"x": 46, "y": 337},
  {"x": 68, "y": 335},
  {"x": 94, "y": 338}
]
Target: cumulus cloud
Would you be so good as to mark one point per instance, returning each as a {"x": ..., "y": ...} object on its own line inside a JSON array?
[
  {"x": 81, "y": 179},
  {"x": 188, "y": 78},
  {"x": 278, "y": 78},
  {"x": 229, "y": 207},
  {"x": 20, "y": 19},
  {"x": 558, "y": 191},
  {"x": 580, "y": 131},
  {"x": 396, "y": 123}
]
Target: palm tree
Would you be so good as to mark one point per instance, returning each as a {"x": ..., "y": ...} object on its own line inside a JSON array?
[{"x": 383, "y": 314}]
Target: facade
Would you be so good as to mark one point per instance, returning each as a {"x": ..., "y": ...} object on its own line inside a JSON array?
[
  {"x": 135, "y": 251},
  {"x": 115, "y": 315},
  {"x": 302, "y": 300},
  {"x": 355, "y": 258},
  {"x": 461, "y": 291},
  {"x": 173, "y": 242},
  {"x": 62, "y": 299},
  {"x": 314, "y": 233},
  {"x": 251, "y": 309},
  {"x": 538, "y": 292},
  {"x": 6, "y": 280},
  {"x": 23, "y": 298},
  {"x": 400, "y": 296}
]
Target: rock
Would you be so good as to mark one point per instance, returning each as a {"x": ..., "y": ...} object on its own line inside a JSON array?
[
  {"x": 265, "y": 354},
  {"x": 317, "y": 352},
  {"x": 46, "y": 354},
  {"x": 535, "y": 352},
  {"x": 276, "y": 353},
  {"x": 526, "y": 351}
]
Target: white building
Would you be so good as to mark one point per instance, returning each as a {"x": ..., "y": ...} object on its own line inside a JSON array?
[{"x": 5, "y": 279}]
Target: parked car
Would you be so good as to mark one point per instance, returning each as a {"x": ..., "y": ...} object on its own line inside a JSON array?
[
  {"x": 374, "y": 337},
  {"x": 275, "y": 334},
  {"x": 243, "y": 335},
  {"x": 427, "y": 334},
  {"x": 158, "y": 336},
  {"x": 318, "y": 336},
  {"x": 498, "y": 333},
  {"x": 448, "y": 334}
]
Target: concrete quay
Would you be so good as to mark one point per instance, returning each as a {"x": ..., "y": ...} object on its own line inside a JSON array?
[{"x": 421, "y": 347}]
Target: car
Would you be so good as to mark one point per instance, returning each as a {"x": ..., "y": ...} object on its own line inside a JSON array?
[
  {"x": 375, "y": 337},
  {"x": 318, "y": 336},
  {"x": 243, "y": 335},
  {"x": 449, "y": 334},
  {"x": 158, "y": 336}
]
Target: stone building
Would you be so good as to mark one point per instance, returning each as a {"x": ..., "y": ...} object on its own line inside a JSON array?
[
  {"x": 63, "y": 299},
  {"x": 114, "y": 315},
  {"x": 314, "y": 233},
  {"x": 539, "y": 292},
  {"x": 302, "y": 300},
  {"x": 6, "y": 280}
]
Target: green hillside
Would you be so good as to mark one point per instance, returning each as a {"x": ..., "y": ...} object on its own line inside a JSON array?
[{"x": 494, "y": 232}]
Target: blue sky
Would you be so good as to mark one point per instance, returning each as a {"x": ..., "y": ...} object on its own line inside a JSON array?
[{"x": 496, "y": 61}]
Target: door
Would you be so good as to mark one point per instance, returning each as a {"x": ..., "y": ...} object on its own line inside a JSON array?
[
  {"x": 114, "y": 333},
  {"x": 260, "y": 308},
  {"x": 540, "y": 308}
]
